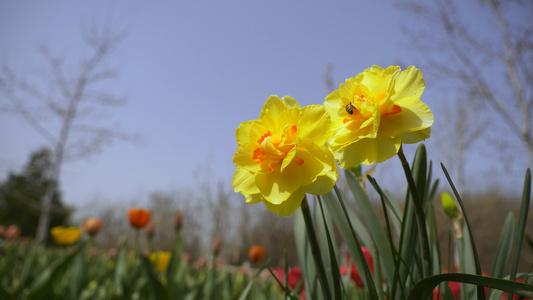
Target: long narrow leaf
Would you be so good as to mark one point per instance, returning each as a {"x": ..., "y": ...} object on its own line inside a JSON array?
[
  {"x": 357, "y": 253},
  {"x": 521, "y": 227},
  {"x": 480, "y": 290},
  {"x": 305, "y": 258},
  {"x": 334, "y": 265},
  {"x": 504, "y": 249},
  {"x": 424, "y": 288},
  {"x": 78, "y": 270},
  {"x": 156, "y": 287},
  {"x": 417, "y": 187},
  {"x": 373, "y": 223}
]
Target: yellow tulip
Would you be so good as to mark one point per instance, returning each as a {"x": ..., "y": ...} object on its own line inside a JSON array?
[
  {"x": 65, "y": 235},
  {"x": 375, "y": 112},
  {"x": 281, "y": 156},
  {"x": 161, "y": 260}
]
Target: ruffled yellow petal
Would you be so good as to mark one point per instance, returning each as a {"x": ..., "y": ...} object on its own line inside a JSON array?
[
  {"x": 409, "y": 83},
  {"x": 243, "y": 158},
  {"x": 417, "y": 136},
  {"x": 288, "y": 207},
  {"x": 332, "y": 104},
  {"x": 274, "y": 105},
  {"x": 368, "y": 151},
  {"x": 314, "y": 124},
  {"x": 326, "y": 181},
  {"x": 378, "y": 80},
  {"x": 290, "y": 102},
  {"x": 244, "y": 181},
  {"x": 414, "y": 116},
  {"x": 276, "y": 186},
  {"x": 307, "y": 159},
  {"x": 243, "y": 133},
  {"x": 253, "y": 199}
]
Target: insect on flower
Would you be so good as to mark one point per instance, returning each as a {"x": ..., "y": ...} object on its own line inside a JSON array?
[{"x": 350, "y": 108}]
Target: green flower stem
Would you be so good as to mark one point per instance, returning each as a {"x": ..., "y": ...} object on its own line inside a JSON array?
[
  {"x": 420, "y": 215},
  {"x": 151, "y": 245},
  {"x": 315, "y": 250},
  {"x": 136, "y": 243},
  {"x": 178, "y": 248}
]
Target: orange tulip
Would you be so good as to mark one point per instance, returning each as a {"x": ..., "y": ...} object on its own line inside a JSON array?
[
  {"x": 138, "y": 217},
  {"x": 92, "y": 226},
  {"x": 256, "y": 253}
]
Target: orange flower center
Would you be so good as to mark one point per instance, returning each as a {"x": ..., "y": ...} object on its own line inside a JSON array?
[
  {"x": 272, "y": 149},
  {"x": 362, "y": 105}
]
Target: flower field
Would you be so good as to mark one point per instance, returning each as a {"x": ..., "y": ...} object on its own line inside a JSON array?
[{"x": 288, "y": 160}]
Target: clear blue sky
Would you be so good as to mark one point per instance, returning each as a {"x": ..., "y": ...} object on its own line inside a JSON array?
[{"x": 193, "y": 71}]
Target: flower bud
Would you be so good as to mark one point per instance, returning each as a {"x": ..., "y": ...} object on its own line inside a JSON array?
[
  {"x": 449, "y": 206},
  {"x": 216, "y": 246},
  {"x": 256, "y": 253},
  {"x": 150, "y": 230},
  {"x": 92, "y": 226},
  {"x": 177, "y": 220},
  {"x": 12, "y": 232}
]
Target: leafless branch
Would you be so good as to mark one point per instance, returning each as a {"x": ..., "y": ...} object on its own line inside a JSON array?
[
  {"x": 56, "y": 102},
  {"x": 496, "y": 68}
]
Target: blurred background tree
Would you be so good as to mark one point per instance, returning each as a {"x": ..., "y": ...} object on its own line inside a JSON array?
[
  {"x": 480, "y": 53},
  {"x": 67, "y": 105},
  {"x": 21, "y": 193}
]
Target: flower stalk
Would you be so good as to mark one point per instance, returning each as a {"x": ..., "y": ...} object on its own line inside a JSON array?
[{"x": 315, "y": 250}]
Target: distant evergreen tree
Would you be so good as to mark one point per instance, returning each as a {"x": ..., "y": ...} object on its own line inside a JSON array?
[{"x": 20, "y": 196}]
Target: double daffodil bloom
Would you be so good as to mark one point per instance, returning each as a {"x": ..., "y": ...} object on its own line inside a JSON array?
[
  {"x": 65, "y": 235},
  {"x": 281, "y": 156},
  {"x": 375, "y": 112}
]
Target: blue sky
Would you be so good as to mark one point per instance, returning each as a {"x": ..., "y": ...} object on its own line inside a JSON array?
[{"x": 193, "y": 71}]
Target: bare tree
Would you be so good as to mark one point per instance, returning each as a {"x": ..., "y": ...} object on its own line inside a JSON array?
[
  {"x": 65, "y": 105},
  {"x": 493, "y": 66},
  {"x": 462, "y": 131}
]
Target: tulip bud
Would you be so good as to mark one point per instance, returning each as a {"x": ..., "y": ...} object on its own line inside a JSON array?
[
  {"x": 150, "y": 230},
  {"x": 92, "y": 226},
  {"x": 177, "y": 220},
  {"x": 256, "y": 253},
  {"x": 112, "y": 252},
  {"x": 216, "y": 246},
  {"x": 12, "y": 232}
]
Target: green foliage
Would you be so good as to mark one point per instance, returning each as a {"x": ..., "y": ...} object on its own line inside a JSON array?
[
  {"x": 406, "y": 247},
  {"x": 29, "y": 271},
  {"x": 20, "y": 196},
  {"x": 406, "y": 260}
]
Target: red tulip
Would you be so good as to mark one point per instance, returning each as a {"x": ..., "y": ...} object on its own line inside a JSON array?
[
  {"x": 354, "y": 275},
  {"x": 294, "y": 277}
]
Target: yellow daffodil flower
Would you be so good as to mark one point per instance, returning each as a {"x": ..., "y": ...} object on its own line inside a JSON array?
[
  {"x": 65, "y": 235},
  {"x": 281, "y": 156},
  {"x": 161, "y": 260},
  {"x": 375, "y": 112}
]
